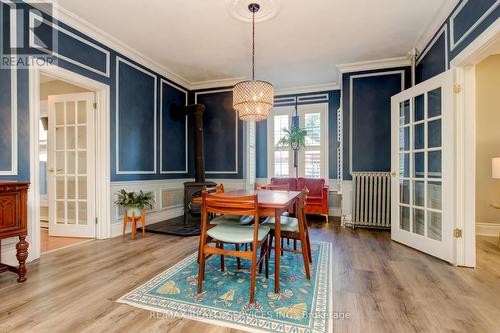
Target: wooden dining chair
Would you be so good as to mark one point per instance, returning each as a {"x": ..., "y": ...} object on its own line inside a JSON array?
[
  {"x": 280, "y": 187},
  {"x": 228, "y": 233},
  {"x": 295, "y": 228}
]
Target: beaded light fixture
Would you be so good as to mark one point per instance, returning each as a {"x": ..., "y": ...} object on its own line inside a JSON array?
[{"x": 253, "y": 99}]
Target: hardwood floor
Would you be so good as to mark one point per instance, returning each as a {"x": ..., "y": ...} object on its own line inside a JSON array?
[
  {"x": 382, "y": 285},
  {"x": 51, "y": 243}
]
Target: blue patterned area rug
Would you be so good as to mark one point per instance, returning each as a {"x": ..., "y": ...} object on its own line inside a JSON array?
[{"x": 301, "y": 306}]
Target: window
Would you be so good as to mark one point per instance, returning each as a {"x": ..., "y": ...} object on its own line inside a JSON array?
[{"x": 313, "y": 158}]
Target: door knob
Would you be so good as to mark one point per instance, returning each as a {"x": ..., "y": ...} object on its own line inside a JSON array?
[{"x": 393, "y": 174}]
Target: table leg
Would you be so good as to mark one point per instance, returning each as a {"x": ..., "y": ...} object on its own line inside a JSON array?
[
  {"x": 22, "y": 255},
  {"x": 277, "y": 250}
]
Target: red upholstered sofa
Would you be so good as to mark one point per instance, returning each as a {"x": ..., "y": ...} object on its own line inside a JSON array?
[{"x": 317, "y": 200}]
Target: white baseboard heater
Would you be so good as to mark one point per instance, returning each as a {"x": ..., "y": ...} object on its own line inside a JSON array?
[{"x": 371, "y": 204}]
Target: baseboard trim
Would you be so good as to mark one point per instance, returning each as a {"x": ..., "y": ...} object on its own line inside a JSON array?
[{"x": 488, "y": 229}]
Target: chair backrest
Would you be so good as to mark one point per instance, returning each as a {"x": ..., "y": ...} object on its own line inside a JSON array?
[
  {"x": 278, "y": 187},
  {"x": 230, "y": 205},
  {"x": 301, "y": 215},
  {"x": 315, "y": 185},
  {"x": 292, "y": 182}
]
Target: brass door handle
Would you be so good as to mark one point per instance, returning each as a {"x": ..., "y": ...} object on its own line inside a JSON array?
[{"x": 52, "y": 170}]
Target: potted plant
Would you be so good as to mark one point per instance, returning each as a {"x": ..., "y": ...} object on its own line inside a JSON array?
[
  {"x": 134, "y": 202},
  {"x": 295, "y": 138}
]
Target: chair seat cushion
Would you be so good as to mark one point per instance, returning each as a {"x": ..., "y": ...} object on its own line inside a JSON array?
[
  {"x": 233, "y": 233},
  {"x": 234, "y": 219},
  {"x": 290, "y": 224}
]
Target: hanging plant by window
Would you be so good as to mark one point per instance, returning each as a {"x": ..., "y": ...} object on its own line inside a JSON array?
[{"x": 295, "y": 138}]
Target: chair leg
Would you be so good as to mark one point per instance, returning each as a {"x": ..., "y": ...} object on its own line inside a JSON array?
[
  {"x": 253, "y": 270},
  {"x": 201, "y": 271},
  {"x": 262, "y": 252},
  {"x": 326, "y": 217},
  {"x": 238, "y": 260},
  {"x": 309, "y": 248},
  {"x": 266, "y": 259},
  {"x": 305, "y": 255},
  {"x": 282, "y": 245},
  {"x": 220, "y": 245},
  {"x": 295, "y": 244},
  {"x": 143, "y": 222}
]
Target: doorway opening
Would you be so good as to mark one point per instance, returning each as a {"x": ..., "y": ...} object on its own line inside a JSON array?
[
  {"x": 487, "y": 77},
  {"x": 66, "y": 155}
]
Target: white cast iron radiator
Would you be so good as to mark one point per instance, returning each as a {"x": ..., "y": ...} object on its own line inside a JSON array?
[{"x": 371, "y": 199}]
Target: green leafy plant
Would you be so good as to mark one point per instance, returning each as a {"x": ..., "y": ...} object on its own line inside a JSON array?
[
  {"x": 134, "y": 199},
  {"x": 295, "y": 138}
]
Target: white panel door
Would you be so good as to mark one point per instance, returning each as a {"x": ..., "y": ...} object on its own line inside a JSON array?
[
  {"x": 422, "y": 151},
  {"x": 71, "y": 169}
]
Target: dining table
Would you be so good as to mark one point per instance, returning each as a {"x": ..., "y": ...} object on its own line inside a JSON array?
[{"x": 271, "y": 203}]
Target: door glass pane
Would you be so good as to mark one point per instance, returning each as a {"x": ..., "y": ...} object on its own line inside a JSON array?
[
  {"x": 419, "y": 222},
  {"x": 82, "y": 112},
  {"x": 404, "y": 218},
  {"x": 281, "y": 163},
  {"x": 312, "y": 164},
  {"x": 434, "y": 103},
  {"x": 404, "y": 113},
  {"x": 71, "y": 187},
  {"x": 434, "y": 228},
  {"x": 419, "y": 108},
  {"x": 60, "y": 215},
  {"x": 60, "y": 194},
  {"x": 82, "y": 212},
  {"x": 59, "y": 138},
  {"x": 70, "y": 137},
  {"x": 404, "y": 191},
  {"x": 71, "y": 166},
  {"x": 434, "y": 164},
  {"x": 419, "y": 136},
  {"x": 59, "y": 108},
  {"x": 60, "y": 160},
  {"x": 404, "y": 165},
  {"x": 71, "y": 212},
  {"x": 434, "y": 195},
  {"x": 312, "y": 125},
  {"x": 418, "y": 193},
  {"x": 404, "y": 138},
  {"x": 82, "y": 187},
  {"x": 434, "y": 134},
  {"x": 418, "y": 167},
  {"x": 82, "y": 137},
  {"x": 70, "y": 113},
  {"x": 82, "y": 162}
]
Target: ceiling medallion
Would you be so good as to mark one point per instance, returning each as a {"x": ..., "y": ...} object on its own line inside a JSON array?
[{"x": 239, "y": 10}]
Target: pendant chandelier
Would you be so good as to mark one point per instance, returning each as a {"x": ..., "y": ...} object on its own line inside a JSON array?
[{"x": 253, "y": 99}]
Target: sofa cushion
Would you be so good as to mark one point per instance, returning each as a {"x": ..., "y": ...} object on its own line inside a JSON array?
[
  {"x": 314, "y": 185},
  {"x": 292, "y": 182}
]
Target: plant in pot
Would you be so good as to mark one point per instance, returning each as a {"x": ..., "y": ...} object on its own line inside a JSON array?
[
  {"x": 134, "y": 202},
  {"x": 295, "y": 138}
]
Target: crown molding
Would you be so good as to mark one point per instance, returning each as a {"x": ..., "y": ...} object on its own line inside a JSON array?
[
  {"x": 306, "y": 89},
  {"x": 374, "y": 64},
  {"x": 208, "y": 84},
  {"x": 435, "y": 24},
  {"x": 76, "y": 22}
]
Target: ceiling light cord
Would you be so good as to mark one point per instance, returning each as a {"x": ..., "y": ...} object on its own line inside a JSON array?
[{"x": 253, "y": 45}]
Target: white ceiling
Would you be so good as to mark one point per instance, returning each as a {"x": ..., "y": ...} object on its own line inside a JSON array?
[{"x": 200, "y": 40}]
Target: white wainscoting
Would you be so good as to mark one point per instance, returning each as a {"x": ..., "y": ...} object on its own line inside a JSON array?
[
  {"x": 169, "y": 197},
  {"x": 346, "y": 201},
  {"x": 487, "y": 229}
]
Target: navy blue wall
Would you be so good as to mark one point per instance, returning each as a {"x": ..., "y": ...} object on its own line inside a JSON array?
[
  {"x": 136, "y": 99},
  {"x": 371, "y": 117},
  {"x": 305, "y": 98},
  {"x": 455, "y": 34},
  {"x": 222, "y": 134}
]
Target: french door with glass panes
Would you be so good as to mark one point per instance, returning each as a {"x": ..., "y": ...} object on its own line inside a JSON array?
[
  {"x": 422, "y": 167},
  {"x": 71, "y": 169}
]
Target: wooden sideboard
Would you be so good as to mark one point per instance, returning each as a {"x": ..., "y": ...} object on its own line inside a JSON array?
[{"x": 13, "y": 222}]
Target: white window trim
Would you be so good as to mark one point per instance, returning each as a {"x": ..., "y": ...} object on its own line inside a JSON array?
[{"x": 290, "y": 111}]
